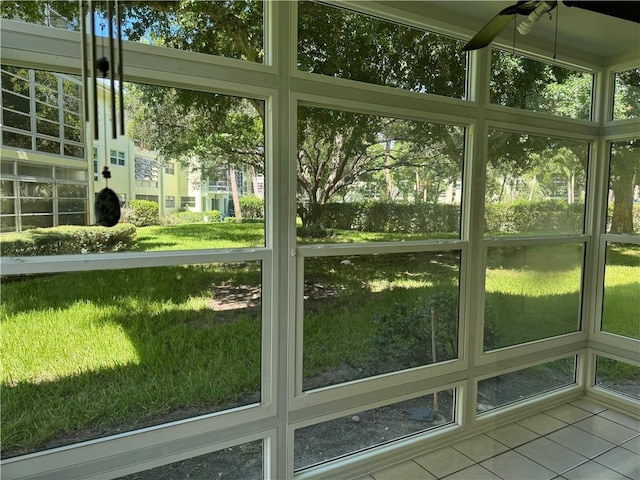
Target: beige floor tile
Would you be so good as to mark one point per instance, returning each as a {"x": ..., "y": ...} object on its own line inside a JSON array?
[
  {"x": 408, "y": 470},
  {"x": 568, "y": 413},
  {"x": 580, "y": 441},
  {"x": 513, "y": 435},
  {"x": 633, "y": 445},
  {"x": 593, "y": 471},
  {"x": 444, "y": 461},
  {"x": 513, "y": 466},
  {"x": 480, "y": 447},
  {"x": 603, "y": 428},
  {"x": 542, "y": 423},
  {"x": 588, "y": 405},
  {"x": 622, "y": 419},
  {"x": 622, "y": 461},
  {"x": 475, "y": 472},
  {"x": 551, "y": 455}
]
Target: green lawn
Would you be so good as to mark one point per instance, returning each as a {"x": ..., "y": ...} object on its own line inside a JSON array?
[{"x": 88, "y": 353}]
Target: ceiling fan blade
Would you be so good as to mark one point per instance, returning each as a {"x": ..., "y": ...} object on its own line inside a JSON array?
[
  {"x": 490, "y": 31},
  {"x": 625, "y": 10}
]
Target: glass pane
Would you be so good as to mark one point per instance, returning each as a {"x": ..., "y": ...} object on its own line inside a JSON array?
[
  {"x": 7, "y": 188},
  {"x": 346, "y": 435},
  {"x": 36, "y": 221},
  {"x": 53, "y": 13},
  {"x": 535, "y": 185},
  {"x": 89, "y": 354},
  {"x": 6, "y": 168},
  {"x": 30, "y": 170},
  {"x": 231, "y": 29},
  {"x": 15, "y": 83},
  {"x": 16, "y": 120},
  {"x": 36, "y": 189},
  {"x": 623, "y": 215},
  {"x": 72, "y": 219},
  {"x": 71, "y": 190},
  {"x": 74, "y": 151},
  {"x": 513, "y": 387},
  {"x": 340, "y": 43},
  {"x": 72, "y": 205},
  {"x": 621, "y": 290},
  {"x": 619, "y": 377},
  {"x": 7, "y": 206},
  {"x": 31, "y": 205},
  {"x": 16, "y": 102},
  {"x": 626, "y": 101},
  {"x": 47, "y": 112},
  {"x": 220, "y": 178},
  {"x": 7, "y": 224},
  {"x": 532, "y": 292},
  {"x": 48, "y": 146},
  {"x": 364, "y": 178},
  {"x": 10, "y": 139},
  {"x": 70, "y": 174},
  {"x": 48, "y": 128},
  {"x": 528, "y": 84},
  {"x": 242, "y": 462},
  {"x": 73, "y": 134},
  {"x": 374, "y": 314}
]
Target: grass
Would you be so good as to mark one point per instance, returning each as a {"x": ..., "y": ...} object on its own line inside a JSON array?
[{"x": 88, "y": 353}]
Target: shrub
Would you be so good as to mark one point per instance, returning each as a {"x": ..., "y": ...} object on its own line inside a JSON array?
[
  {"x": 142, "y": 213},
  {"x": 313, "y": 231},
  {"x": 252, "y": 207},
  {"x": 403, "y": 334},
  {"x": 69, "y": 239}
]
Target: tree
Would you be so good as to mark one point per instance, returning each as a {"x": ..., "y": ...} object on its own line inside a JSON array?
[{"x": 624, "y": 173}]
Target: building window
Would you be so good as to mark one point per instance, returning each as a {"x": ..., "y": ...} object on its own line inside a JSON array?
[
  {"x": 170, "y": 168},
  {"x": 146, "y": 172},
  {"x": 116, "y": 158},
  {"x": 169, "y": 201},
  {"x": 150, "y": 198},
  {"x": 187, "y": 202},
  {"x": 96, "y": 174}
]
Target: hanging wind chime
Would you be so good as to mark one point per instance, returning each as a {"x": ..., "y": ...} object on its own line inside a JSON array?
[{"x": 107, "y": 203}]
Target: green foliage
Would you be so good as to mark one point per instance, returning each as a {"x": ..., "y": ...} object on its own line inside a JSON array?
[
  {"x": 252, "y": 207},
  {"x": 69, "y": 239},
  {"x": 243, "y": 220},
  {"x": 544, "y": 216},
  {"x": 393, "y": 217},
  {"x": 313, "y": 231},
  {"x": 180, "y": 218},
  {"x": 142, "y": 213}
]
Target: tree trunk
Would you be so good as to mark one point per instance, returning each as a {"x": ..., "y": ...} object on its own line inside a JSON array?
[
  {"x": 387, "y": 171},
  {"x": 622, "y": 219},
  {"x": 254, "y": 180},
  {"x": 234, "y": 191}
]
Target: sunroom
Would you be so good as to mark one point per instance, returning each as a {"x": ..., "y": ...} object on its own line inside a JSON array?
[{"x": 431, "y": 268}]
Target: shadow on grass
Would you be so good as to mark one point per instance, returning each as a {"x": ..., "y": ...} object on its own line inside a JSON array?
[{"x": 188, "y": 363}]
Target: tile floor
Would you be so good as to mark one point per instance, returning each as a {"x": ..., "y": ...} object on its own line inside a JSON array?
[{"x": 580, "y": 440}]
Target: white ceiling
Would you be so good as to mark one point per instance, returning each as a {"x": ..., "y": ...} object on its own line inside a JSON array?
[{"x": 590, "y": 33}]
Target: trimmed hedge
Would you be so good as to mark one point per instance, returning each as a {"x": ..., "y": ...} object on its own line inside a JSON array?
[
  {"x": 543, "y": 216},
  {"x": 69, "y": 239},
  {"x": 252, "y": 207},
  {"x": 179, "y": 218}
]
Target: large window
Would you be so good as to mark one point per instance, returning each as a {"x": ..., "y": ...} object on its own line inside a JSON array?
[
  {"x": 340, "y": 43},
  {"x": 626, "y": 100},
  {"x": 372, "y": 178},
  {"x": 41, "y": 111},
  {"x": 535, "y": 185},
  {"x": 528, "y": 84}
]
